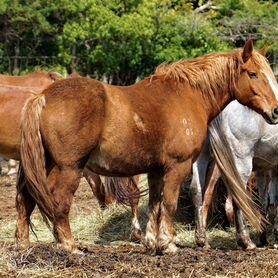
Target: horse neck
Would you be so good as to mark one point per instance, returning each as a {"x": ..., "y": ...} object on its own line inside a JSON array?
[
  {"x": 213, "y": 76},
  {"x": 214, "y": 105}
]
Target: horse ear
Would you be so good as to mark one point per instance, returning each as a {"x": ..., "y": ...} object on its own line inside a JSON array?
[
  {"x": 247, "y": 50},
  {"x": 55, "y": 76},
  {"x": 263, "y": 51}
]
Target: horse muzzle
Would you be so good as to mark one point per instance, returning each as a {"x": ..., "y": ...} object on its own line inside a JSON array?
[{"x": 272, "y": 118}]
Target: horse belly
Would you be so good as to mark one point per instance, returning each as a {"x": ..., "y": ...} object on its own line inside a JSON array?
[{"x": 112, "y": 159}]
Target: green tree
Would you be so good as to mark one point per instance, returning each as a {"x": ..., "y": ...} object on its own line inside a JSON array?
[{"x": 125, "y": 41}]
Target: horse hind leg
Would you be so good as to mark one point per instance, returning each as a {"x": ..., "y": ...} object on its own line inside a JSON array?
[
  {"x": 97, "y": 187},
  {"x": 66, "y": 182},
  {"x": 213, "y": 175},
  {"x": 271, "y": 201},
  {"x": 243, "y": 236},
  {"x": 196, "y": 194},
  {"x": 25, "y": 205},
  {"x": 263, "y": 184},
  {"x": 242, "y": 232}
]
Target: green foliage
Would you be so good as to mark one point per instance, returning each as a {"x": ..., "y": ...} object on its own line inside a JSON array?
[
  {"x": 243, "y": 19},
  {"x": 122, "y": 40}
]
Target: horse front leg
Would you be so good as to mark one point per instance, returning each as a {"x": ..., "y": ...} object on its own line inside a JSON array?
[
  {"x": 172, "y": 183},
  {"x": 155, "y": 182}
]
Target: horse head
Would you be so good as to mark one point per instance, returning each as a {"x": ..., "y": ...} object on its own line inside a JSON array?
[{"x": 257, "y": 87}]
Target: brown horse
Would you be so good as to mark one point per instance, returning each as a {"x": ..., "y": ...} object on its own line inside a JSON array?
[
  {"x": 14, "y": 91},
  {"x": 123, "y": 190},
  {"x": 157, "y": 126}
]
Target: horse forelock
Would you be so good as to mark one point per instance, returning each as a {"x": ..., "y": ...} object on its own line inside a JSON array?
[
  {"x": 262, "y": 62},
  {"x": 48, "y": 74},
  {"x": 210, "y": 73}
]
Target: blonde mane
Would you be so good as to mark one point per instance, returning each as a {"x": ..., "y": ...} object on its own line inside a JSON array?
[
  {"x": 263, "y": 64},
  {"x": 211, "y": 73}
]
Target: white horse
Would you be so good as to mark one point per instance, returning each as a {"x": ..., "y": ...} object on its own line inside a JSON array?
[{"x": 254, "y": 146}]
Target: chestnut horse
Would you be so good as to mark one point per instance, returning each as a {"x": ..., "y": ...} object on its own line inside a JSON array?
[
  {"x": 14, "y": 91},
  {"x": 157, "y": 126}
]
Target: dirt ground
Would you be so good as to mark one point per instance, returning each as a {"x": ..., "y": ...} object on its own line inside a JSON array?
[{"x": 124, "y": 259}]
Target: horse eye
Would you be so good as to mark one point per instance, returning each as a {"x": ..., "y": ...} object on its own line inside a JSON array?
[{"x": 252, "y": 75}]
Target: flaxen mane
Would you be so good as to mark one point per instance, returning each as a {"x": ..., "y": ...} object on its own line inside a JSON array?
[
  {"x": 211, "y": 73},
  {"x": 262, "y": 63}
]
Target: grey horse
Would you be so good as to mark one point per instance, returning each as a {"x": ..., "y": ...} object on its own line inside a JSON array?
[{"x": 254, "y": 146}]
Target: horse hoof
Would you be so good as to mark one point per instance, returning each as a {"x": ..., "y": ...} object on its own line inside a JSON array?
[
  {"x": 136, "y": 236},
  {"x": 246, "y": 245},
  {"x": 23, "y": 244},
  {"x": 150, "y": 249},
  {"x": 72, "y": 249},
  {"x": 76, "y": 251},
  {"x": 206, "y": 246},
  {"x": 150, "y": 246},
  {"x": 203, "y": 244},
  {"x": 251, "y": 246},
  {"x": 171, "y": 249}
]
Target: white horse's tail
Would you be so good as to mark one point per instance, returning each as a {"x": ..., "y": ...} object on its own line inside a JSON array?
[{"x": 225, "y": 160}]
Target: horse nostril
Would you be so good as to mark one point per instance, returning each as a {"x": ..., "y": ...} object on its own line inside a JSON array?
[{"x": 275, "y": 111}]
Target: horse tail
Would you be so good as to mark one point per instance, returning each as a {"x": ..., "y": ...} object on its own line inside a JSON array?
[
  {"x": 121, "y": 189},
  {"x": 224, "y": 158},
  {"x": 33, "y": 155}
]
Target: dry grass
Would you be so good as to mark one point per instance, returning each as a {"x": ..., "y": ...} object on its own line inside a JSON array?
[{"x": 104, "y": 235}]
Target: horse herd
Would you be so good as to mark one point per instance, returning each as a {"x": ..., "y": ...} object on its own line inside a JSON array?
[{"x": 64, "y": 129}]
